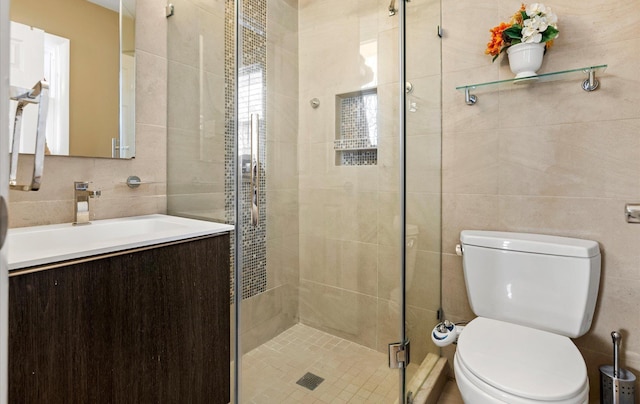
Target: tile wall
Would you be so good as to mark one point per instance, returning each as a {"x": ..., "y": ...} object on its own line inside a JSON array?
[{"x": 549, "y": 158}]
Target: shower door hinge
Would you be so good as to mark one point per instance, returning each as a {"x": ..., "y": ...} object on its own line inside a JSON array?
[
  {"x": 440, "y": 31},
  {"x": 169, "y": 10},
  {"x": 399, "y": 355}
]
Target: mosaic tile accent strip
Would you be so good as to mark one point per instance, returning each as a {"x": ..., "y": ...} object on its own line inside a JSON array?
[
  {"x": 353, "y": 144},
  {"x": 359, "y": 158},
  {"x": 251, "y": 100},
  {"x": 357, "y": 140}
]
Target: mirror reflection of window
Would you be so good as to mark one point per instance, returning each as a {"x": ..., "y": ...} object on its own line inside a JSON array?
[{"x": 35, "y": 55}]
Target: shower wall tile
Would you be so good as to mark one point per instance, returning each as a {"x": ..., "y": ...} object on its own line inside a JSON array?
[
  {"x": 423, "y": 163},
  {"x": 340, "y": 312},
  {"x": 151, "y": 89},
  {"x": 423, "y": 281},
  {"x": 423, "y": 20},
  {"x": 388, "y": 320},
  {"x": 282, "y": 265},
  {"x": 268, "y": 313},
  {"x": 282, "y": 116},
  {"x": 388, "y": 218},
  {"x": 199, "y": 40},
  {"x": 283, "y": 218},
  {"x": 211, "y": 6},
  {"x": 550, "y": 157},
  {"x": 337, "y": 67},
  {"x": 423, "y": 105},
  {"x": 282, "y": 71},
  {"x": 53, "y": 203},
  {"x": 423, "y": 211},
  {"x": 388, "y": 273},
  {"x": 182, "y": 88},
  {"x": 388, "y": 105},
  {"x": 282, "y": 165},
  {"x": 151, "y": 25},
  {"x": 388, "y": 69},
  {"x": 350, "y": 265}
]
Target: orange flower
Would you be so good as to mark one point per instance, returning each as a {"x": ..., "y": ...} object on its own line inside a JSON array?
[
  {"x": 517, "y": 17},
  {"x": 497, "y": 40}
]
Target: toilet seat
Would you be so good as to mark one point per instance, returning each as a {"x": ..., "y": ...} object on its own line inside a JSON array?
[{"x": 513, "y": 363}]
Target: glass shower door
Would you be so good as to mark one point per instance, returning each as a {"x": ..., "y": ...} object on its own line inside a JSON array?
[
  {"x": 318, "y": 284},
  {"x": 423, "y": 184}
]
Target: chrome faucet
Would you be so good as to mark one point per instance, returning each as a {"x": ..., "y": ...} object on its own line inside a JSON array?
[{"x": 81, "y": 195}]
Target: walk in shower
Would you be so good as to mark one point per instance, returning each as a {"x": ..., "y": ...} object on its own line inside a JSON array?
[{"x": 315, "y": 123}]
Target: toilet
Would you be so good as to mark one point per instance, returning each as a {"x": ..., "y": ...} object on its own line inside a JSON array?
[{"x": 532, "y": 293}]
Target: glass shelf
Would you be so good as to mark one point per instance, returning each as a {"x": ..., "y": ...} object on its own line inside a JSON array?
[{"x": 589, "y": 84}]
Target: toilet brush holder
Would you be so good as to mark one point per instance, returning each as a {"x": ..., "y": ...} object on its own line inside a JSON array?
[{"x": 617, "y": 386}]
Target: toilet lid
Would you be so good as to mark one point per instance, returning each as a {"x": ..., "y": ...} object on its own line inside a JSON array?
[{"x": 522, "y": 361}]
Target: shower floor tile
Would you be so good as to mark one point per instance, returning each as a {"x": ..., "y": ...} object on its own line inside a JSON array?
[{"x": 352, "y": 373}]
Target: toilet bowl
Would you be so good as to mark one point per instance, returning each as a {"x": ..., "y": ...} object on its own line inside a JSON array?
[
  {"x": 499, "y": 362},
  {"x": 532, "y": 293}
]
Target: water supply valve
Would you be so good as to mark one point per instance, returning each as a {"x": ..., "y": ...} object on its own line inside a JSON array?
[{"x": 445, "y": 333}]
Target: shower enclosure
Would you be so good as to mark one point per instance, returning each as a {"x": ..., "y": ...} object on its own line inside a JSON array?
[{"x": 314, "y": 128}]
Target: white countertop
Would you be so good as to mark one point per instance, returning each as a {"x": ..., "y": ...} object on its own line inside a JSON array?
[{"x": 40, "y": 245}]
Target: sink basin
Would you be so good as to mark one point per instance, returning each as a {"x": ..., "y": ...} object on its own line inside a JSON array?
[{"x": 40, "y": 245}]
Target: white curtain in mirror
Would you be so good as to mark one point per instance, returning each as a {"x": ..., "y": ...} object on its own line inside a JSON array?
[{"x": 51, "y": 62}]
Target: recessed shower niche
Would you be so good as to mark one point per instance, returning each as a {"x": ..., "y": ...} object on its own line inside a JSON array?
[{"x": 356, "y": 142}]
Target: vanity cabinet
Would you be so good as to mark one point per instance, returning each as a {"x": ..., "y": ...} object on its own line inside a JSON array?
[{"x": 144, "y": 326}]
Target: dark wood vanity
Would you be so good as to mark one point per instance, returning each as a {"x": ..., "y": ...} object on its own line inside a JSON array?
[{"x": 143, "y": 326}]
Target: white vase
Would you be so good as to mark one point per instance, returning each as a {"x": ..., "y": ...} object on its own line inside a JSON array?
[{"x": 525, "y": 58}]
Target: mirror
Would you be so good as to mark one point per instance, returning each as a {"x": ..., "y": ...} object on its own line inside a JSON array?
[{"x": 86, "y": 51}]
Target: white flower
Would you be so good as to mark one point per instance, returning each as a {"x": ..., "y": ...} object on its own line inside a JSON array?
[
  {"x": 537, "y": 22},
  {"x": 535, "y": 9},
  {"x": 552, "y": 19},
  {"x": 533, "y": 37}
]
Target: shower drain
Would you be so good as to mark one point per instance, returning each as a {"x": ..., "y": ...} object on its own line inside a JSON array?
[{"x": 310, "y": 381}]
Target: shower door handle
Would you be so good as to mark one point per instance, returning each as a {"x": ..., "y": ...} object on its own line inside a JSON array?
[{"x": 255, "y": 168}]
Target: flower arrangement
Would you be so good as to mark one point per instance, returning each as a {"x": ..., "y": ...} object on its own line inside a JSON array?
[{"x": 533, "y": 23}]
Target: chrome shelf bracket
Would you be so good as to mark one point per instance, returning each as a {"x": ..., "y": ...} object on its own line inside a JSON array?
[
  {"x": 469, "y": 98},
  {"x": 591, "y": 83}
]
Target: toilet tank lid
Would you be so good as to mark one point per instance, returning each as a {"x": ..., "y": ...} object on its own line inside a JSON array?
[{"x": 531, "y": 243}]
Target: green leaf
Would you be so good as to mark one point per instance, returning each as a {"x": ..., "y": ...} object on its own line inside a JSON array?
[
  {"x": 549, "y": 34},
  {"x": 513, "y": 32}
]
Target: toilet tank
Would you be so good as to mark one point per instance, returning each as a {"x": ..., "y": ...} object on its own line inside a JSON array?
[{"x": 545, "y": 282}]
